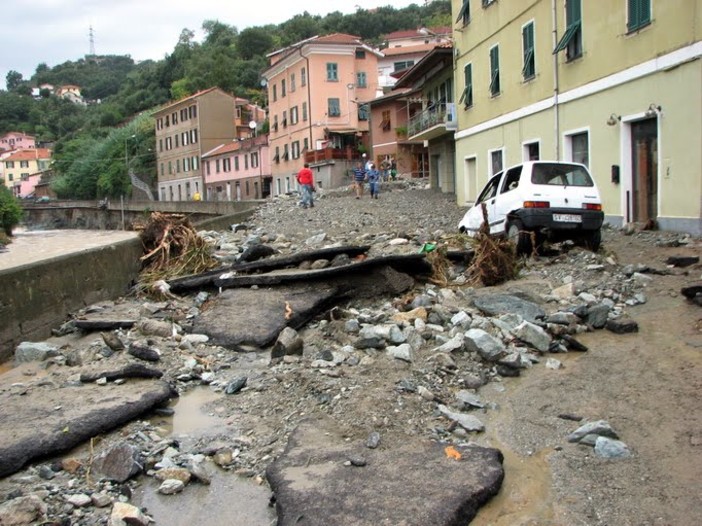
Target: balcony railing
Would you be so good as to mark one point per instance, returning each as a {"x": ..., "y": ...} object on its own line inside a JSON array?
[
  {"x": 328, "y": 154},
  {"x": 439, "y": 114}
]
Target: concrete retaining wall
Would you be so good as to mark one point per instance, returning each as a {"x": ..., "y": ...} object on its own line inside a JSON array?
[{"x": 38, "y": 297}]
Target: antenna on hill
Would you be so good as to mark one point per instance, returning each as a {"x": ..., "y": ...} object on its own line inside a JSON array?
[{"x": 92, "y": 41}]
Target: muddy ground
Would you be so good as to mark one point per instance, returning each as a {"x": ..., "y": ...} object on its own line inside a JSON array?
[{"x": 646, "y": 384}]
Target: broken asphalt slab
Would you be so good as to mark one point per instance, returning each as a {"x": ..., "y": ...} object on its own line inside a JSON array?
[
  {"x": 45, "y": 420},
  {"x": 323, "y": 479},
  {"x": 243, "y": 317}
]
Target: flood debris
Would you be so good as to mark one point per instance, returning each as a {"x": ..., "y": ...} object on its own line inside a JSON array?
[{"x": 495, "y": 259}]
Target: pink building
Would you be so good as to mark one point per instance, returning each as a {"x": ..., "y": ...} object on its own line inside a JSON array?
[
  {"x": 17, "y": 141},
  {"x": 317, "y": 94},
  {"x": 239, "y": 170},
  {"x": 20, "y": 165}
]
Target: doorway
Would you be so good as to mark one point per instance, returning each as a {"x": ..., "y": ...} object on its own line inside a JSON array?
[
  {"x": 644, "y": 170},
  {"x": 470, "y": 180}
]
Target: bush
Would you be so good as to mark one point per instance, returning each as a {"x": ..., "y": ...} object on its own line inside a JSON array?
[{"x": 10, "y": 210}]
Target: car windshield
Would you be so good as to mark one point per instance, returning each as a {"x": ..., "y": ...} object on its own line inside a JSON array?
[{"x": 560, "y": 174}]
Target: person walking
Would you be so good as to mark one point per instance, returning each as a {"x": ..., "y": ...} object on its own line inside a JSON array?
[
  {"x": 373, "y": 177},
  {"x": 359, "y": 174},
  {"x": 305, "y": 179}
]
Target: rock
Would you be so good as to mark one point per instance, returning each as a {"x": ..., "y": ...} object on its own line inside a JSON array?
[
  {"x": 487, "y": 346},
  {"x": 467, "y": 422},
  {"x": 101, "y": 500},
  {"x": 112, "y": 341},
  {"x": 164, "y": 329},
  {"x": 144, "y": 352},
  {"x": 34, "y": 352},
  {"x": 79, "y": 500},
  {"x": 256, "y": 252},
  {"x": 597, "y": 315},
  {"x": 22, "y": 511},
  {"x": 691, "y": 291},
  {"x": 289, "y": 343},
  {"x": 608, "y": 448},
  {"x": 598, "y": 427},
  {"x": 457, "y": 343},
  {"x": 496, "y": 304},
  {"x": 402, "y": 352},
  {"x": 373, "y": 440},
  {"x": 554, "y": 364},
  {"x": 235, "y": 385},
  {"x": 533, "y": 335},
  {"x": 124, "y": 514},
  {"x": 573, "y": 344},
  {"x": 564, "y": 292},
  {"x": 176, "y": 473},
  {"x": 198, "y": 470},
  {"x": 622, "y": 325},
  {"x": 468, "y": 399},
  {"x": 119, "y": 463}
]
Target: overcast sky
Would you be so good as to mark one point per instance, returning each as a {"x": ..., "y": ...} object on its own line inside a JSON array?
[{"x": 54, "y": 31}]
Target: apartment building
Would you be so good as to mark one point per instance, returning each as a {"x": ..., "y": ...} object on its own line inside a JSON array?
[
  {"x": 17, "y": 141},
  {"x": 21, "y": 168},
  {"x": 185, "y": 130},
  {"x": 317, "y": 94},
  {"x": 238, "y": 171},
  {"x": 614, "y": 85}
]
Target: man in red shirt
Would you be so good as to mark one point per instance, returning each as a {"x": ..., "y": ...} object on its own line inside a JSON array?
[{"x": 305, "y": 179}]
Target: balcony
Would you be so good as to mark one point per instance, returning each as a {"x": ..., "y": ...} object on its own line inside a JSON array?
[
  {"x": 433, "y": 122},
  {"x": 329, "y": 154}
]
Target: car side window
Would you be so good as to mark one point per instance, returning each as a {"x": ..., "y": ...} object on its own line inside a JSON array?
[
  {"x": 512, "y": 179},
  {"x": 490, "y": 189}
]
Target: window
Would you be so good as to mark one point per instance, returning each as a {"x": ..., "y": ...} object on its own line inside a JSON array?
[
  {"x": 361, "y": 81},
  {"x": 184, "y": 138},
  {"x": 275, "y": 93},
  {"x": 254, "y": 160},
  {"x": 531, "y": 151},
  {"x": 303, "y": 77},
  {"x": 174, "y": 117},
  {"x": 333, "y": 107},
  {"x": 304, "y": 112},
  {"x": 286, "y": 155},
  {"x": 285, "y": 118},
  {"x": 385, "y": 122},
  {"x": 403, "y": 64},
  {"x": 193, "y": 136},
  {"x": 246, "y": 162},
  {"x": 196, "y": 162},
  {"x": 293, "y": 115},
  {"x": 296, "y": 150},
  {"x": 571, "y": 40},
  {"x": 192, "y": 111},
  {"x": 217, "y": 166},
  {"x": 467, "y": 95},
  {"x": 639, "y": 14},
  {"x": 186, "y": 164},
  {"x": 292, "y": 82},
  {"x": 495, "y": 161},
  {"x": 10, "y": 164},
  {"x": 236, "y": 163},
  {"x": 305, "y": 144},
  {"x": 227, "y": 164},
  {"x": 488, "y": 2},
  {"x": 177, "y": 140},
  {"x": 579, "y": 148},
  {"x": 464, "y": 13},
  {"x": 275, "y": 123},
  {"x": 529, "y": 66},
  {"x": 276, "y": 157},
  {"x": 360, "y": 54},
  {"x": 24, "y": 164},
  {"x": 495, "y": 71},
  {"x": 332, "y": 72},
  {"x": 282, "y": 88},
  {"x": 363, "y": 112}
]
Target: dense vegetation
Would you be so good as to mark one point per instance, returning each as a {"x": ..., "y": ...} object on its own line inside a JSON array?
[
  {"x": 92, "y": 144},
  {"x": 10, "y": 213}
]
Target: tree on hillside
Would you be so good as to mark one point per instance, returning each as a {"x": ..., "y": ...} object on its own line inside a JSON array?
[
  {"x": 13, "y": 80},
  {"x": 254, "y": 41},
  {"x": 10, "y": 210}
]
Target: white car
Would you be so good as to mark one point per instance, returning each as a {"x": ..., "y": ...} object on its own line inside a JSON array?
[{"x": 553, "y": 200}]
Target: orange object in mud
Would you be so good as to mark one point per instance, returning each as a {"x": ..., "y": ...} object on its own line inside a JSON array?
[
  {"x": 288, "y": 311},
  {"x": 452, "y": 452}
]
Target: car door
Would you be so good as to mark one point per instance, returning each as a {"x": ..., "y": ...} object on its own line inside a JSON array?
[
  {"x": 474, "y": 217},
  {"x": 509, "y": 198}
]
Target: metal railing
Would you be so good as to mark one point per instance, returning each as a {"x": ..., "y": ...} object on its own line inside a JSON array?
[{"x": 437, "y": 114}]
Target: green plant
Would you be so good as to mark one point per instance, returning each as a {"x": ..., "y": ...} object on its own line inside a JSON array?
[
  {"x": 401, "y": 131},
  {"x": 10, "y": 210}
]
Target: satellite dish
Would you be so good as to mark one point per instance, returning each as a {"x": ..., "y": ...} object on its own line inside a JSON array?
[
  {"x": 264, "y": 83},
  {"x": 252, "y": 125}
]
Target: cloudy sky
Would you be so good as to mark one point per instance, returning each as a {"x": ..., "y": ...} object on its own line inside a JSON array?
[{"x": 54, "y": 31}]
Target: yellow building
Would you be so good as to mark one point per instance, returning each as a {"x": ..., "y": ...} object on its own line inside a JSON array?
[{"x": 615, "y": 85}]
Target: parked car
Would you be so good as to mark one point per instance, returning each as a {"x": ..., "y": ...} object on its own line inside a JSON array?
[{"x": 540, "y": 200}]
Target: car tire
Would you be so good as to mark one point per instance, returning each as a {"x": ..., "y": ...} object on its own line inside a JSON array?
[
  {"x": 593, "y": 239},
  {"x": 521, "y": 238}
]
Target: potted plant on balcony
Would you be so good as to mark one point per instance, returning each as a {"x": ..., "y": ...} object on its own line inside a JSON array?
[{"x": 401, "y": 131}]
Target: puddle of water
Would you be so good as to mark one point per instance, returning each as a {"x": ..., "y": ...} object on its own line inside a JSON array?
[
  {"x": 190, "y": 415},
  {"x": 227, "y": 500}
]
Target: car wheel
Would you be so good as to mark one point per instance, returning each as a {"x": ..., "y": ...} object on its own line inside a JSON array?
[
  {"x": 593, "y": 240},
  {"x": 520, "y": 237}
]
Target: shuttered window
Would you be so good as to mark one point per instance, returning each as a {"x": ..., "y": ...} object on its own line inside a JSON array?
[
  {"x": 571, "y": 40},
  {"x": 495, "y": 71},
  {"x": 639, "y": 14},
  {"x": 467, "y": 95},
  {"x": 529, "y": 68}
]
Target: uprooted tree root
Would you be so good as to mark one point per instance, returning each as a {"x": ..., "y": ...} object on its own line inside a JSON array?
[
  {"x": 440, "y": 267},
  {"x": 172, "y": 248},
  {"x": 495, "y": 259}
]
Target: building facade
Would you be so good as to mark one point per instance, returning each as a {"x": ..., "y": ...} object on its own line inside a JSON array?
[
  {"x": 185, "y": 130},
  {"x": 238, "y": 171},
  {"x": 317, "y": 95},
  {"x": 613, "y": 85},
  {"x": 21, "y": 168}
]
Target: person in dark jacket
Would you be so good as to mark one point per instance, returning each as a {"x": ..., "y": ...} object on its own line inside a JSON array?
[{"x": 359, "y": 174}]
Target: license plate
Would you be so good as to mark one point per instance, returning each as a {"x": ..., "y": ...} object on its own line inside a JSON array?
[{"x": 567, "y": 218}]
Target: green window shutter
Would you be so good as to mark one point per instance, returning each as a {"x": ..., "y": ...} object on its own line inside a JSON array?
[
  {"x": 464, "y": 13},
  {"x": 639, "y": 14},
  {"x": 528, "y": 70},
  {"x": 573, "y": 22},
  {"x": 467, "y": 95},
  {"x": 494, "y": 70}
]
